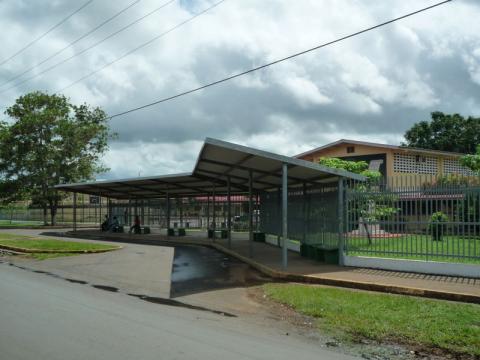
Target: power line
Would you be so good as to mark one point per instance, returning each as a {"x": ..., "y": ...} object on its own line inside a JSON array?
[
  {"x": 90, "y": 47},
  {"x": 143, "y": 45},
  {"x": 278, "y": 60},
  {"x": 45, "y": 33},
  {"x": 72, "y": 43}
]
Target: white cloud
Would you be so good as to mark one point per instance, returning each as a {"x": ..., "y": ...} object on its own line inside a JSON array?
[{"x": 373, "y": 86}]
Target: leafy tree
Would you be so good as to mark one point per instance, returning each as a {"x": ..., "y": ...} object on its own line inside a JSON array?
[
  {"x": 472, "y": 161},
  {"x": 11, "y": 208},
  {"x": 446, "y": 133},
  {"x": 357, "y": 167},
  {"x": 371, "y": 203},
  {"x": 49, "y": 141}
]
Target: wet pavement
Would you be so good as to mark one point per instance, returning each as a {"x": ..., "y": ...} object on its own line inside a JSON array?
[{"x": 198, "y": 268}]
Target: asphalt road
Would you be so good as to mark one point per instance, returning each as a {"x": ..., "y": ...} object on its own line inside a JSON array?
[{"x": 45, "y": 318}]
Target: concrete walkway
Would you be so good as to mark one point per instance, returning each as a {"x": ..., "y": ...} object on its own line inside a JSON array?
[
  {"x": 121, "y": 269},
  {"x": 267, "y": 258}
]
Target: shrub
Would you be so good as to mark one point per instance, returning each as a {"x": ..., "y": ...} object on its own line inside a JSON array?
[{"x": 438, "y": 225}]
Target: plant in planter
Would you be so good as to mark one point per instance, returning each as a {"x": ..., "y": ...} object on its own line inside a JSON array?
[{"x": 438, "y": 225}]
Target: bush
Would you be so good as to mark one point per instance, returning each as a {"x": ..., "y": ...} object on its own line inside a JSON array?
[{"x": 438, "y": 225}]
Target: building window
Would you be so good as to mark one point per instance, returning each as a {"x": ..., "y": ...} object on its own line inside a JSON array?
[
  {"x": 415, "y": 164},
  {"x": 350, "y": 149}
]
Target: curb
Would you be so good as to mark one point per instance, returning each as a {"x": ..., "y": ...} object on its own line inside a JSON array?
[
  {"x": 392, "y": 289},
  {"x": 285, "y": 276}
]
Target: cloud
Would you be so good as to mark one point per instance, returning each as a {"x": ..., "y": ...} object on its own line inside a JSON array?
[{"x": 371, "y": 87}]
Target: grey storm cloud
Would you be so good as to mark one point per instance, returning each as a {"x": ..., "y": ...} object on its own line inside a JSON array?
[{"x": 371, "y": 87}]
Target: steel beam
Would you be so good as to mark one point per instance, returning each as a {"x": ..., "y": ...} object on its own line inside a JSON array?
[
  {"x": 285, "y": 216},
  {"x": 74, "y": 211},
  {"x": 250, "y": 213},
  {"x": 229, "y": 213}
]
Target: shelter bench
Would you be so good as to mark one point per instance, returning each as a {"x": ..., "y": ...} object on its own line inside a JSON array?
[
  {"x": 143, "y": 230},
  {"x": 220, "y": 233},
  {"x": 176, "y": 232}
]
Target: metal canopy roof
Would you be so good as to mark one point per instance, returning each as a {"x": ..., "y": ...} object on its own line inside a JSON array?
[{"x": 218, "y": 160}]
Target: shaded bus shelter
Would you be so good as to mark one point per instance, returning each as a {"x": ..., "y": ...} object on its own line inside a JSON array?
[{"x": 226, "y": 169}]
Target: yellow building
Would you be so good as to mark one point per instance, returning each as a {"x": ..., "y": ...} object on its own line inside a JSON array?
[{"x": 398, "y": 162}]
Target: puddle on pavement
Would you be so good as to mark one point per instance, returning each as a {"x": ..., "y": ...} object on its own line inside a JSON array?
[
  {"x": 198, "y": 268},
  {"x": 106, "y": 288},
  {"x": 150, "y": 299},
  {"x": 171, "y": 302},
  {"x": 74, "y": 281}
]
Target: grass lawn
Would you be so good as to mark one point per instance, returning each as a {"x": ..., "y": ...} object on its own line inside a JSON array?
[
  {"x": 353, "y": 315},
  {"x": 36, "y": 243},
  {"x": 415, "y": 247},
  {"x": 8, "y": 224}
]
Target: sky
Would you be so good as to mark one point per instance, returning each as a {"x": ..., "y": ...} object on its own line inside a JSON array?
[{"x": 372, "y": 87}]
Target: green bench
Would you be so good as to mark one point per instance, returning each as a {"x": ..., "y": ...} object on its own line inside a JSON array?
[
  {"x": 319, "y": 252},
  {"x": 176, "y": 232},
  {"x": 143, "y": 230},
  {"x": 221, "y": 233}
]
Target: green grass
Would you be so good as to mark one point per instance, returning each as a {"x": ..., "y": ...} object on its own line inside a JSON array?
[
  {"x": 411, "y": 246},
  {"x": 33, "y": 243},
  {"x": 355, "y": 315},
  {"x": 8, "y": 224}
]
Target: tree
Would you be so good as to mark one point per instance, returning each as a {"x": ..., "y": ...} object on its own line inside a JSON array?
[
  {"x": 11, "y": 208},
  {"x": 371, "y": 203},
  {"x": 49, "y": 142},
  {"x": 472, "y": 161},
  {"x": 446, "y": 133},
  {"x": 357, "y": 167}
]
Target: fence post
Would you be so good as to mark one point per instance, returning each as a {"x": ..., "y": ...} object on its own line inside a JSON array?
[{"x": 341, "y": 214}]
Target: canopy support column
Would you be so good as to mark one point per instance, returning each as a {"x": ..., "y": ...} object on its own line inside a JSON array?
[
  {"x": 180, "y": 205},
  {"x": 341, "y": 239},
  {"x": 74, "y": 212},
  {"x": 229, "y": 213},
  {"x": 208, "y": 213},
  {"x": 304, "y": 213},
  {"x": 214, "y": 222},
  {"x": 284, "y": 215},
  {"x": 250, "y": 213},
  {"x": 168, "y": 214},
  {"x": 100, "y": 210}
]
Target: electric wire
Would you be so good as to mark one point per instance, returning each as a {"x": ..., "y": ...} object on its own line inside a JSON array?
[
  {"x": 52, "y": 67},
  {"x": 103, "y": 23},
  {"x": 279, "y": 60},
  {"x": 45, "y": 33},
  {"x": 142, "y": 45}
]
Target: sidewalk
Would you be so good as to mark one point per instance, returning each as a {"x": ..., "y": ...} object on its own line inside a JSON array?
[{"x": 267, "y": 258}]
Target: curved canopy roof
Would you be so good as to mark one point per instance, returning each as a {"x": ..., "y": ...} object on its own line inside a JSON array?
[{"x": 218, "y": 162}]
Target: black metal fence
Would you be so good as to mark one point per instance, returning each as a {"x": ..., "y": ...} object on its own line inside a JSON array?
[
  {"x": 420, "y": 218},
  {"x": 312, "y": 215}
]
